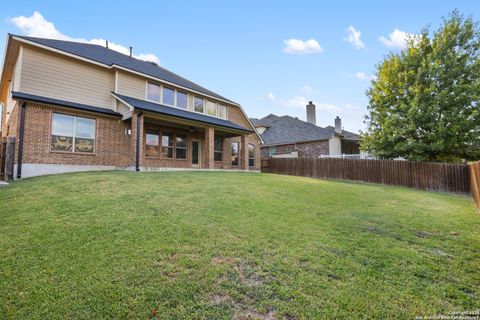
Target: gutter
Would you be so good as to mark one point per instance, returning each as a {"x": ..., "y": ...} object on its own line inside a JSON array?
[
  {"x": 20, "y": 140},
  {"x": 137, "y": 144}
]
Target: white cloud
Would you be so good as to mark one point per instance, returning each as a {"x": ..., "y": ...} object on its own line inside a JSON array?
[
  {"x": 363, "y": 76},
  {"x": 354, "y": 38},
  {"x": 37, "y": 26},
  {"x": 271, "y": 97},
  {"x": 296, "y": 46},
  {"x": 396, "y": 39},
  {"x": 307, "y": 89}
]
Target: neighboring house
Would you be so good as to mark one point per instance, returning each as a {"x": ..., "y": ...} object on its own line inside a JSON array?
[
  {"x": 286, "y": 136},
  {"x": 76, "y": 106}
]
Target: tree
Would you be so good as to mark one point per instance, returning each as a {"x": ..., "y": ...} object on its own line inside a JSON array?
[{"x": 424, "y": 101}]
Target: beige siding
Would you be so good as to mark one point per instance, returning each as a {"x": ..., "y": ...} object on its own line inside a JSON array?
[
  {"x": 132, "y": 86},
  {"x": 17, "y": 71},
  {"x": 52, "y": 75}
]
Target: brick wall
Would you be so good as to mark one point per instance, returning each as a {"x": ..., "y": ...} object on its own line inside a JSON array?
[
  {"x": 112, "y": 145},
  {"x": 305, "y": 149}
]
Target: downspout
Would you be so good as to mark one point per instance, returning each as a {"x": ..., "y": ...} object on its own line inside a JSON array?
[
  {"x": 20, "y": 140},
  {"x": 137, "y": 145}
]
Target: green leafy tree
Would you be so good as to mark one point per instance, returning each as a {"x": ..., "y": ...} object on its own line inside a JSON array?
[{"x": 424, "y": 101}]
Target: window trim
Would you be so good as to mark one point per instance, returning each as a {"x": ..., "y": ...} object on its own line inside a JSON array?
[{"x": 93, "y": 153}]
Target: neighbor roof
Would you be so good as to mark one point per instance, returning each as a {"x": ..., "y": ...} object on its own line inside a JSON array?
[
  {"x": 179, "y": 113},
  {"x": 109, "y": 57},
  {"x": 346, "y": 134},
  {"x": 286, "y": 129}
]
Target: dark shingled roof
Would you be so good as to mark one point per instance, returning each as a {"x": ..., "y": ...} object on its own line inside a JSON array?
[
  {"x": 346, "y": 134},
  {"x": 179, "y": 113},
  {"x": 111, "y": 57},
  {"x": 63, "y": 103},
  {"x": 286, "y": 129}
]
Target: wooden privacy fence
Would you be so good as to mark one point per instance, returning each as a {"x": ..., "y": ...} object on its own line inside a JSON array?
[
  {"x": 474, "y": 175},
  {"x": 418, "y": 175},
  {"x": 3, "y": 155}
]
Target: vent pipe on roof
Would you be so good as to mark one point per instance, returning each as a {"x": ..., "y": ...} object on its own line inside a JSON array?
[
  {"x": 106, "y": 44},
  {"x": 311, "y": 113},
  {"x": 130, "y": 52}
]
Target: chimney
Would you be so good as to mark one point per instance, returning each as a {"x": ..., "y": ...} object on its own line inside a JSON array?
[
  {"x": 131, "y": 52},
  {"x": 311, "y": 113},
  {"x": 338, "y": 125}
]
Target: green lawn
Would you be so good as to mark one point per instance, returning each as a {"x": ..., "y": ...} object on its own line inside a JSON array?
[{"x": 232, "y": 245}]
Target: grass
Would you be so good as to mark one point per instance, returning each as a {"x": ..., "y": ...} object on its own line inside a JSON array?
[{"x": 232, "y": 245}]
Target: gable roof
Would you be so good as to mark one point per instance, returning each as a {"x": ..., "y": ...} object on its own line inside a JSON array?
[
  {"x": 286, "y": 129},
  {"x": 177, "y": 112},
  {"x": 109, "y": 57}
]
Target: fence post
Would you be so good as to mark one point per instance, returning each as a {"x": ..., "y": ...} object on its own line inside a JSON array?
[{"x": 10, "y": 158}]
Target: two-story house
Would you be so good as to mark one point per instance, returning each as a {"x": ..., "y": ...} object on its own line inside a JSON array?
[{"x": 75, "y": 107}]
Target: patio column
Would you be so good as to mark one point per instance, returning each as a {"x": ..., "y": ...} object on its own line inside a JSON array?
[
  {"x": 209, "y": 148},
  {"x": 244, "y": 152},
  {"x": 137, "y": 150}
]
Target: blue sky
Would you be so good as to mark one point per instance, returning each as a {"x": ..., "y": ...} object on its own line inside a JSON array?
[{"x": 270, "y": 56}]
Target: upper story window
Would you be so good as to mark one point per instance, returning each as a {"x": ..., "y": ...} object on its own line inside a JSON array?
[
  {"x": 168, "y": 96},
  {"x": 198, "y": 104},
  {"x": 72, "y": 134},
  {"x": 222, "y": 111},
  {"x": 182, "y": 100},
  {"x": 211, "y": 108},
  {"x": 153, "y": 92}
]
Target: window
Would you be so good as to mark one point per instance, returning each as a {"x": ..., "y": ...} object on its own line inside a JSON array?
[
  {"x": 168, "y": 96},
  {"x": 153, "y": 92},
  {"x": 72, "y": 134},
  {"x": 198, "y": 104},
  {"x": 152, "y": 140},
  {"x": 222, "y": 111},
  {"x": 181, "y": 146},
  {"x": 167, "y": 144},
  {"x": 251, "y": 155},
  {"x": 182, "y": 100},
  {"x": 272, "y": 151},
  {"x": 218, "y": 148},
  {"x": 211, "y": 108},
  {"x": 234, "y": 153}
]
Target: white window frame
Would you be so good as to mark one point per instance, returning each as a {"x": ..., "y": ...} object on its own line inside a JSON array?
[
  {"x": 74, "y": 134},
  {"x": 190, "y": 103}
]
